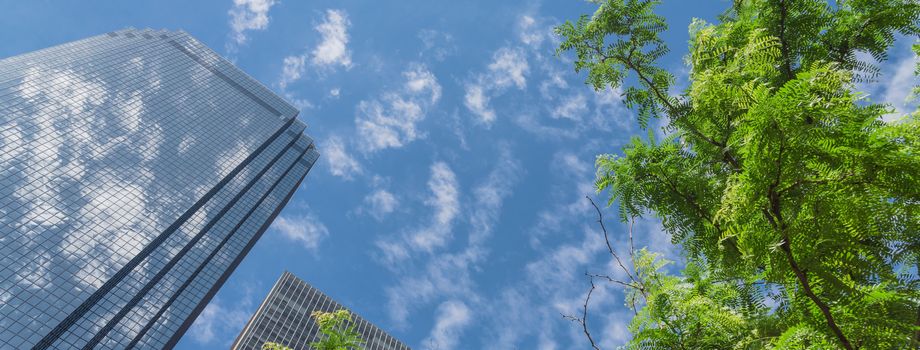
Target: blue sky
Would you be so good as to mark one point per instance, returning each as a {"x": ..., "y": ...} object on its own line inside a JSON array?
[{"x": 448, "y": 204}]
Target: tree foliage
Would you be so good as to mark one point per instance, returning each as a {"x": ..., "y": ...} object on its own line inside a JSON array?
[
  {"x": 338, "y": 333},
  {"x": 776, "y": 177}
]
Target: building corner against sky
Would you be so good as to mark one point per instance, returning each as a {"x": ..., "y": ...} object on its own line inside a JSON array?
[{"x": 137, "y": 169}]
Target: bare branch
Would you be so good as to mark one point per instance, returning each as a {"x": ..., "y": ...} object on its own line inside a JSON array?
[
  {"x": 600, "y": 220},
  {"x": 613, "y": 280},
  {"x": 632, "y": 248},
  {"x": 583, "y": 320}
]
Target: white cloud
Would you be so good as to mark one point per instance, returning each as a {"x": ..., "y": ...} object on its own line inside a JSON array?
[
  {"x": 247, "y": 15},
  {"x": 897, "y": 89},
  {"x": 896, "y": 79},
  {"x": 335, "y": 92},
  {"x": 391, "y": 121},
  {"x": 491, "y": 194},
  {"x": 218, "y": 321},
  {"x": 571, "y": 207},
  {"x": 508, "y": 68},
  {"x": 615, "y": 331},
  {"x": 438, "y": 44},
  {"x": 453, "y": 317},
  {"x": 380, "y": 203},
  {"x": 306, "y": 229},
  {"x": 421, "y": 81},
  {"x": 531, "y": 124},
  {"x": 445, "y": 275},
  {"x": 554, "y": 284},
  {"x": 292, "y": 70},
  {"x": 449, "y": 274},
  {"x": 529, "y": 32},
  {"x": 571, "y": 111},
  {"x": 478, "y": 103},
  {"x": 446, "y": 203},
  {"x": 340, "y": 163},
  {"x": 650, "y": 233},
  {"x": 297, "y": 102},
  {"x": 518, "y": 316},
  {"x": 572, "y": 108},
  {"x": 560, "y": 267},
  {"x": 391, "y": 251},
  {"x": 333, "y": 49}
]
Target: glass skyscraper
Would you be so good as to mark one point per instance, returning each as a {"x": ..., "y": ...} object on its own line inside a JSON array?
[
  {"x": 137, "y": 168},
  {"x": 284, "y": 318}
]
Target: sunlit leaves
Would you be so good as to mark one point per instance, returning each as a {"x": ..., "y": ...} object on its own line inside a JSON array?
[{"x": 777, "y": 173}]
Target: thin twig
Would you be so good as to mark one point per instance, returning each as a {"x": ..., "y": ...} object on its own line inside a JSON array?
[
  {"x": 583, "y": 320},
  {"x": 600, "y": 220},
  {"x": 614, "y": 280},
  {"x": 632, "y": 248}
]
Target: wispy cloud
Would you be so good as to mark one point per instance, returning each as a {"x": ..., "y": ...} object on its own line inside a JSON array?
[
  {"x": 490, "y": 196},
  {"x": 305, "y": 228},
  {"x": 567, "y": 111},
  {"x": 896, "y": 80},
  {"x": 453, "y": 317},
  {"x": 571, "y": 207},
  {"x": 333, "y": 49},
  {"x": 436, "y": 44},
  {"x": 477, "y": 102},
  {"x": 508, "y": 68},
  {"x": 292, "y": 69},
  {"x": 218, "y": 321},
  {"x": 380, "y": 203},
  {"x": 247, "y": 15},
  {"x": 572, "y": 108},
  {"x": 339, "y": 161},
  {"x": 391, "y": 120},
  {"x": 554, "y": 284},
  {"x": 449, "y": 274},
  {"x": 896, "y": 91},
  {"x": 530, "y": 32},
  {"x": 445, "y": 201}
]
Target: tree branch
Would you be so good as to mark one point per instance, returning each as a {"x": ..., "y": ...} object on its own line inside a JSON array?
[
  {"x": 775, "y": 216},
  {"x": 583, "y": 320},
  {"x": 600, "y": 220},
  {"x": 806, "y": 287},
  {"x": 784, "y": 46},
  {"x": 614, "y": 280},
  {"x": 632, "y": 248}
]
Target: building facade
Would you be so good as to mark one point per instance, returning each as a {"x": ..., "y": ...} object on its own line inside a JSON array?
[
  {"x": 137, "y": 168},
  {"x": 284, "y": 318}
]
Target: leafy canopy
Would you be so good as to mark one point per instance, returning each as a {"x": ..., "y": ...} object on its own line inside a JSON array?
[{"x": 776, "y": 172}]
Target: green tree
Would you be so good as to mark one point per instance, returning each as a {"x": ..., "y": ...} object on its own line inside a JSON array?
[
  {"x": 338, "y": 333},
  {"x": 275, "y": 346},
  {"x": 776, "y": 173}
]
